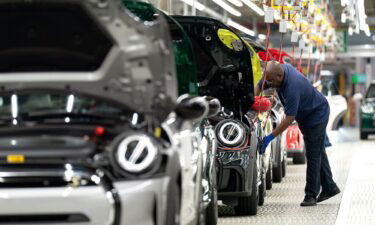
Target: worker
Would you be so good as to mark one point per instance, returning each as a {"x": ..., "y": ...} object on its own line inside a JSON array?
[{"x": 303, "y": 103}]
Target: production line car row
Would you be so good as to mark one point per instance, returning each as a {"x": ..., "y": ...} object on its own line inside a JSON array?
[{"x": 113, "y": 113}]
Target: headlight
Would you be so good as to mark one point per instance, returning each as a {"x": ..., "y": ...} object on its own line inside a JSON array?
[
  {"x": 368, "y": 109},
  {"x": 231, "y": 133},
  {"x": 135, "y": 153}
]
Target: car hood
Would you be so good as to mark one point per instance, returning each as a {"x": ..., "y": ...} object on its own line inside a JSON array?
[
  {"x": 223, "y": 62},
  {"x": 98, "y": 49}
]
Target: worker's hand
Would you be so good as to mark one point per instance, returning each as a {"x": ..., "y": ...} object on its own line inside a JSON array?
[{"x": 265, "y": 142}]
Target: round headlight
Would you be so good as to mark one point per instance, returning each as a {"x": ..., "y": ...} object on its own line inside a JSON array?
[
  {"x": 367, "y": 109},
  {"x": 136, "y": 153},
  {"x": 231, "y": 133}
]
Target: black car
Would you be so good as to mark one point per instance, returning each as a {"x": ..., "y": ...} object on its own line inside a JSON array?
[
  {"x": 367, "y": 120},
  {"x": 225, "y": 72}
]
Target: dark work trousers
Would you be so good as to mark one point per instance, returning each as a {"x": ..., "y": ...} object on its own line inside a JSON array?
[{"x": 318, "y": 169}]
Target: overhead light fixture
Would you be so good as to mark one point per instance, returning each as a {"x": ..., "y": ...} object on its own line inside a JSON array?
[
  {"x": 203, "y": 8},
  {"x": 240, "y": 27},
  {"x": 195, "y": 4},
  {"x": 254, "y": 7},
  {"x": 237, "y": 3},
  {"x": 228, "y": 8},
  {"x": 14, "y": 103},
  {"x": 262, "y": 37}
]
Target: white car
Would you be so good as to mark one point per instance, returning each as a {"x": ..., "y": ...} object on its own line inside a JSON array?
[{"x": 337, "y": 103}]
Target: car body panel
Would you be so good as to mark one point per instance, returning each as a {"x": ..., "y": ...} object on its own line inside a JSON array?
[
  {"x": 337, "y": 103},
  {"x": 138, "y": 74}
]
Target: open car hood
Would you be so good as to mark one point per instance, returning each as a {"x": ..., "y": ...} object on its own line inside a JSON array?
[
  {"x": 91, "y": 47},
  {"x": 223, "y": 63}
]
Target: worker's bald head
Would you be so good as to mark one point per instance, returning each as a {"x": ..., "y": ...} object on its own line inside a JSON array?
[{"x": 275, "y": 74}]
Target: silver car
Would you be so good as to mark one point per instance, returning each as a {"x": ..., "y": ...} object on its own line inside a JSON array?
[{"x": 91, "y": 129}]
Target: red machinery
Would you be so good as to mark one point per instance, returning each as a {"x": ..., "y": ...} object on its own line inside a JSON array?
[{"x": 295, "y": 145}]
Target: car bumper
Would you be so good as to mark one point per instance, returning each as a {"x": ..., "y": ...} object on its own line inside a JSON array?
[
  {"x": 235, "y": 172},
  {"x": 368, "y": 123},
  {"x": 121, "y": 203}
]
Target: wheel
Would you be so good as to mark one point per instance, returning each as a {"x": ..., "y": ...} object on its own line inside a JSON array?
[
  {"x": 299, "y": 158},
  {"x": 249, "y": 205},
  {"x": 363, "y": 135},
  {"x": 284, "y": 166},
  {"x": 212, "y": 208},
  {"x": 278, "y": 170},
  {"x": 269, "y": 176},
  {"x": 262, "y": 190}
]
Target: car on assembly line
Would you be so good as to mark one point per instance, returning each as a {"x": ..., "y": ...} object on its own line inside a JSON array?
[
  {"x": 224, "y": 72},
  {"x": 367, "y": 115},
  {"x": 90, "y": 119},
  {"x": 205, "y": 196},
  {"x": 337, "y": 103}
]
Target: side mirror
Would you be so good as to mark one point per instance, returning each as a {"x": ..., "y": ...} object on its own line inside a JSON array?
[
  {"x": 213, "y": 106},
  {"x": 191, "y": 108}
]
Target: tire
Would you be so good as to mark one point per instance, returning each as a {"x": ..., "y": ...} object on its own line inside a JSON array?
[
  {"x": 269, "y": 176},
  {"x": 299, "y": 158},
  {"x": 175, "y": 216},
  {"x": 278, "y": 170},
  {"x": 249, "y": 205},
  {"x": 212, "y": 208},
  {"x": 363, "y": 135},
  {"x": 284, "y": 166},
  {"x": 262, "y": 191}
]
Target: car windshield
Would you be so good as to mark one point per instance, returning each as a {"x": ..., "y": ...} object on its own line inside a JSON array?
[
  {"x": 58, "y": 108},
  {"x": 371, "y": 91}
]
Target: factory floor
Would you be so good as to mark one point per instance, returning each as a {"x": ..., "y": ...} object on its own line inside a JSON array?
[{"x": 353, "y": 167}]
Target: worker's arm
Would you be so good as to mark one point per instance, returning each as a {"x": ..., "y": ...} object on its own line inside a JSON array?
[{"x": 283, "y": 125}]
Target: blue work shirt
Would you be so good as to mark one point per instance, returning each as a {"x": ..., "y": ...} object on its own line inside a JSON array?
[{"x": 301, "y": 99}]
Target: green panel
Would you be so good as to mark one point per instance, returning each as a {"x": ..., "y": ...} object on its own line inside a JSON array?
[
  {"x": 145, "y": 11},
  {"x": 359, "y": 78},
  {"x": 367, "y": 120},
  {"x": 184, "y": 59},
  {"x": 182, "y": 48}
]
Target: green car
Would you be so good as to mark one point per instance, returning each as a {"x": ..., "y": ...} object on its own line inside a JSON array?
[{"x": 367, "y": 122}]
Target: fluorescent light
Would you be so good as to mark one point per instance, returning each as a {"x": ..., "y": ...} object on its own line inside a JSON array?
[
  {"x": 135, "y": 119},
  {"x": 70, "y": 104},
  {"x": 228, "y": 8},
  {"x": 237, "y": 3},
  {"x": 14, "y": 103},
  {"x": 213, "y": 13},
  {"x": 262, "y": 37},
  {"x": 195, "y": 4},
  {"x": 240, "y": 27},
  {"x": 254, "y": 7},
  {"x": 203, "y": 8}
]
